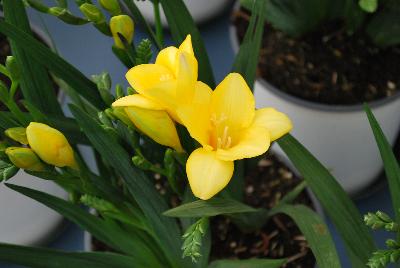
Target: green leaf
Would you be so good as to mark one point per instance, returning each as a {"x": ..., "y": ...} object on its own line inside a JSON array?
[
  {"x": 102, "y": 230},
  {"x": 251, "y": 263},
  {"x": 384, "y": 28},
  {"x": 7, "y": 170},
  {"x": 35, "y": 82},
  {"x": 333, "y": 198},
  {"x": 181, "y": 24},
  {"x": 315, "y": 231},
  {"x": 368, "y": 5},
  {"x": 246, "y": 60},
  {"x": 47, "y": 258},
  {"x": 390, "y": 163},
  {"x": 140, "y": 187},
  {"x": 61, "y": 68},
  {"x": 139, "y": 19},
  {"x": 212, "y": 207}
]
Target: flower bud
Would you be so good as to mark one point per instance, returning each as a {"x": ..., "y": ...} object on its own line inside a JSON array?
[
  {"x": 66, "y": 16},
  {"x": 13, "y": 68},
  {"x": 25, "y": 158},
  {"x": 50, "y": 145},
  {"x": 123, "y": 25},
  {"x": 92, "y": 13},
  {"x": 18, "y": 134},
  {"x": 111, "y": 6},
  {"x": 119, "y": 91}
]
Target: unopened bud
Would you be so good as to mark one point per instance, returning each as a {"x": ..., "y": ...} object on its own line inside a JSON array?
[
  {"x": 119, "y": 91},
  {"x": 130, "y": 91},
  {"x": 13, "y": 68},
  {"x": 123, "y": 25},
  {"x": 92, "y": 13},
  {"x": 18, "y": 134},
  {"x": 50, "y": 145},
  {"x": 25, "y": 158},
  {"x": 66, "y": 16},
  {"x": 111, "y": 6}
]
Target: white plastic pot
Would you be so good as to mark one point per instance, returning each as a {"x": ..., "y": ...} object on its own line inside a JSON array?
[
  {"x": 201, "y": 10},
  {"x": 338, "y": 135},
  {"x": 23, "y": 220}
]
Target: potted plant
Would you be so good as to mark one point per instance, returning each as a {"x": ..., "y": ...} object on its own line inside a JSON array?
[
  {"x": 319, "y": 61},
  {"x": 18, "y": 210},
  {"x": 172, "y": 155}
]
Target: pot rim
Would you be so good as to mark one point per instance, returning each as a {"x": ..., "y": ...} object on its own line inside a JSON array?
[{"x": 335, "y": 108}]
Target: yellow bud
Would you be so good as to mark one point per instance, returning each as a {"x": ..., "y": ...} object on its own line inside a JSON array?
[
  {"x": 18, "y": 134},
  {"x": 122, "y": 24},
  {"x": 24, "y": 158},
  {"x": 50, "y": 145},
  {"x": 111, "y": 6}
]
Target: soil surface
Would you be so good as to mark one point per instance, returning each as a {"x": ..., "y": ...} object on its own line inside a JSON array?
[
  {"x": 266, "y": 184},
  {"x": 328, "y": 66},
  {"x": 280, "y": 237}
]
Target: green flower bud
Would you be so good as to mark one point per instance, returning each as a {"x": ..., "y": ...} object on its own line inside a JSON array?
[
  {"x": 391, "y": 243},
  {"x": 104, "y": 119},
  {"x": 122, "y": 24},
  {"x": 18, "y": 134},
  {"x": 119, "y": 91},
  {"x": 383, "y": 216},
  {"x": 130, "y": 91},
  {"x": 111, "y": 6},
  {"x": 92, "y": 13},
  {"x": 25, "y": 158},
  {"x": 13, "y": 68},
  {"x": 141, "y": 163},
  {"x": 103, "y": 82},
  {"x": 38, "y": 5},
  {"x": 66, "y": 16},
  {"x": 7, "y": 170}
]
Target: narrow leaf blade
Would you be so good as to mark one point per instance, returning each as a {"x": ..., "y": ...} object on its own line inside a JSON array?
[
  {"x": 212, "y": 207},
  {"x": 251, "y": 263},
  {"x": 333, "y": 198}
]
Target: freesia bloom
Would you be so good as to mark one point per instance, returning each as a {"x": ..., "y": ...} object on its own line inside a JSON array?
[
  {"x": 50, "y": 145},
  {"x": 163, "y": 86},
  {"x": 227, "y": 125},
  {"x": 170, "y": 81}
]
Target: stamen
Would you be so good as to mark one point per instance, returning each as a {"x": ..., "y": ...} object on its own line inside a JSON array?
[
  {"x": 219, "y": 143},
  {"x": 228, "y": 143}
]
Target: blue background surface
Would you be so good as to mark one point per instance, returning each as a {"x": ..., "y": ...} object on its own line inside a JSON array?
[{"x": 90, "y": 52}]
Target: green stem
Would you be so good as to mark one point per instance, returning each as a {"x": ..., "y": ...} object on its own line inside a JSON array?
[
  {"x": 13, "y": 107},
  {"x": 13, "y": 88},
  {"x": 159, "y": 29}
]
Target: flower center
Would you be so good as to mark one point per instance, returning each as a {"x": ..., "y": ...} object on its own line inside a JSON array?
[{"x": 220, "y": 138}]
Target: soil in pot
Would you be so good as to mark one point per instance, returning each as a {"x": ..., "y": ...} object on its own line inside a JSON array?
[
  {"x": 266, "y": 184},
  {"x": 326, "y": 66}
]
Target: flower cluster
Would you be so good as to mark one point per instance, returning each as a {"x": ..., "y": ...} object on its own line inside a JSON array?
[{"x": 224, "y": 121}]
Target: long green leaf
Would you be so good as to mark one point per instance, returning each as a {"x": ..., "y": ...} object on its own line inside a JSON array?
[
  {"x": 166, "y": 230},
  {"x": 36, "y": 85},
  {"x": 315, "y": 231},
  {"x": 46, "y": 258},
  {"x": 212, "y": 207},
  {"x": 391, "y": 165},
  {"x": 246, "y": 60},
  {"x": 54, "y": 63},
  {"x": 252, "y": 263},
  {"x": 181, "y": 24},
  {"x": 333, "y": 198},
  {"x": 116, "y": 238}
]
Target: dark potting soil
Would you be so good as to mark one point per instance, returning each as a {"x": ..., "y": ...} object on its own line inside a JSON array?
[
  {"x": 327, "y": 66},
  {"x": 266, "y": 184},
  {"x": 280, "y": 237}
]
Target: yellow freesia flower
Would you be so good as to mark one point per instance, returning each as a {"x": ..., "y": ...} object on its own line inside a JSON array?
[
  {"x": 170, "y": 81},
  {"x": 150, "y": 118},
  {"x": 227, "y": 125},
  {"x": 25, "y": 158},
  {"x": 50, "y": 145}
]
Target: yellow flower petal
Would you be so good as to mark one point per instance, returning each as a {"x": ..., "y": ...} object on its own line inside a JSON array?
[
  {"x": 195, "y": 116},
  {"x": 233, "y": 102},
  {"x": 207, "y": 174},
  {"x": 167, "y": 58},
  {"x": 145, "y": 76},
  {"x": 137, "y": 100},
  {"x": 252, "y": 142},
  {"x": 187, "y": 45},
  {"x": 156, "y": 124},
  {"x": 186, "y": 75},
  {"x": 277, "y": 123},
  {"x": 50, "y": 145}
]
